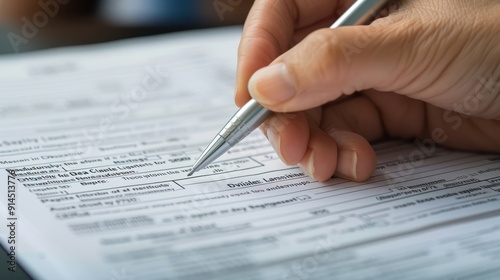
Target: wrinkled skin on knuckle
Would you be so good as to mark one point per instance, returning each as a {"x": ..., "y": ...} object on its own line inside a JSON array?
[
  {"x": 455, "y": 43},
  {"x": 327, "y": 56}
]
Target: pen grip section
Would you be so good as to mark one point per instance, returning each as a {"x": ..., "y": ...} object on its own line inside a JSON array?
[{"x": 246, "y": 120}]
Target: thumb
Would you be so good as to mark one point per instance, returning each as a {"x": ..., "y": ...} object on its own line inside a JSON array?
[{"x": 332, "y": 62}]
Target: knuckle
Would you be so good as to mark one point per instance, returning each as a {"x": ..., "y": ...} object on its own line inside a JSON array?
[{"x": 326, "y": 54}]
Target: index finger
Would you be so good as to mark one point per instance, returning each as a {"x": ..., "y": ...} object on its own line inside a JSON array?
[{"x": 268, "y": 32}]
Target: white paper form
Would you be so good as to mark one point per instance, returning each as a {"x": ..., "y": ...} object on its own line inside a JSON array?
[{"x": 101, "y": 138}]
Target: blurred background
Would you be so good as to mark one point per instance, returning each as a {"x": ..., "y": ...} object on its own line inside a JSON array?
[{"x": 27, "y": 25}]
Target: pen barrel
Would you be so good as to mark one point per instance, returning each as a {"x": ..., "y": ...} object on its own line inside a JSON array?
[
  {"x": 361, "y": 12},
  {"x": 246, "y": 120}
]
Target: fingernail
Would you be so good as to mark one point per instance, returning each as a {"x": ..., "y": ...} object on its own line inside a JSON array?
[
  {"x": 346, "y": 165},
  {"x": 272, "y": 85},
  {"x": 309, "y": 166},
  {"x": 274, "y": 139}
]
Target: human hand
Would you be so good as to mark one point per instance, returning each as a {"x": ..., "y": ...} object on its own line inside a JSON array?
[{"x": 428, "y": 70}]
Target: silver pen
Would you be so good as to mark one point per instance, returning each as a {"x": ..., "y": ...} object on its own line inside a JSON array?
[{"x": 252, "y": 114}]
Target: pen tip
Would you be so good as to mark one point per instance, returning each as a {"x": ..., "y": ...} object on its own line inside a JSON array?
[{"x": 190, "y": 173}]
